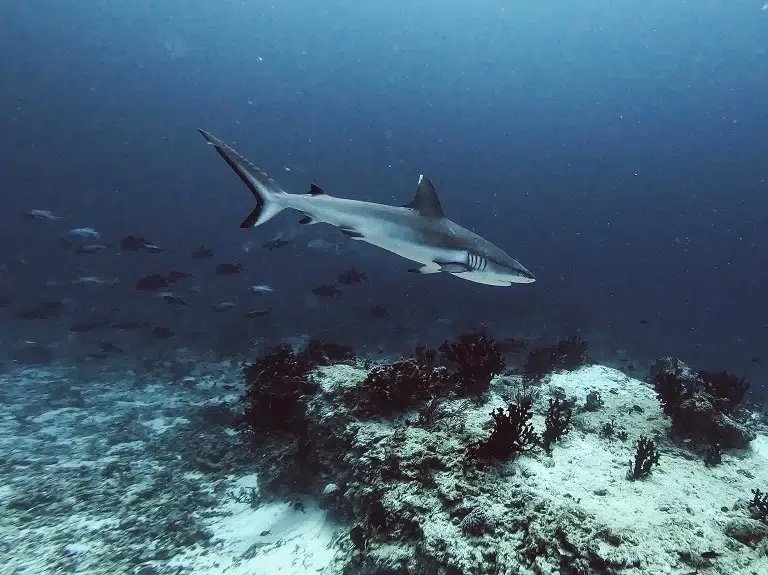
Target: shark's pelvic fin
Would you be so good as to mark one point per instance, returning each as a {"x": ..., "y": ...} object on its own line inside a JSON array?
[
  {"x": 424, "y": 270},
  {"x": 425, "y": 201},
  {"x": 351, "y": 234},
  {"x": 454, "y": 267},
  {"x": 315, "y": 190}
]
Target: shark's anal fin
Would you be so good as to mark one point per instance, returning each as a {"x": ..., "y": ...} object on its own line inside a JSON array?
[
  {"x": 424, "y": 270},
  {"x": 352, "y": 234}
]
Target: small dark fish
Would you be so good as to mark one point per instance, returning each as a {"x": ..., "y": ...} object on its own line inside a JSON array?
[
  {"x": 109, "y": 347},
  {"x": 326, "y": 290},
  {"x": 162, "y": 332},
  {"x": 43, "y": 310},
  {"x": 710, "y": 554},
  {"x": 171, "y": 298},
  {"x": 138, "y": 243},
  {"x": 229, "y": 269},
  {"x": 5, "y": 301},
  {"x": 174, "y": 276},
  {"x": 152, "y": 282},
  {"x": 254, "y": 313},
  {"x": 87, "y": 325},
  {"x": 379, "y": 312},
  {"x": 129, "y": 325},
  {"x": 224, "y": 306},
  {"x": 90, "y": 249},
  {"x": 275, "y": 244},
  {"x": 643, "y": 321},
  {"x": 352, "y": 276},
  {"x": 756, "y": 359},
  {"x": 202, "y": 253}
]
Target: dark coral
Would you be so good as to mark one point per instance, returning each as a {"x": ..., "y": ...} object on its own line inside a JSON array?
[
  {"x": 276, "y": 385},
  {"x": 512, "y": 434},
  {"x": 557, "y": 422},
  {"x": 402, "y": 385},
  {"x": 728, "y": 389},
  {"x": 565, "y": 354},
  {"x": 700, "y": 407},
  {"x": 478, "y": 358},
  {"x": 323, "y": 353},
  {"x": 758, "y": 507},
  {"x": 646, "y": 457},
  {"x": 274, "y": 389}
]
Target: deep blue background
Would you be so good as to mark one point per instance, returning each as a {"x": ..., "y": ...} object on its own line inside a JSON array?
[{"x": 617, "y": 149}]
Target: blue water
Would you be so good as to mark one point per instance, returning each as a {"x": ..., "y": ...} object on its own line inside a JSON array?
[{"x": 618, "y": 150}]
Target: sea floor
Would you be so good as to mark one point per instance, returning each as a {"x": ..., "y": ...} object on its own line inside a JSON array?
[{"x": 118, "y": 473}]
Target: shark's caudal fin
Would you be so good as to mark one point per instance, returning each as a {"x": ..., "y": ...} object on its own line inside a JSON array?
[{"x": 264, "y": 189}]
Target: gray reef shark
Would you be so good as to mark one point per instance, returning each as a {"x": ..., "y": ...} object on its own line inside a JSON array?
[{"x": 418, "y": 231}]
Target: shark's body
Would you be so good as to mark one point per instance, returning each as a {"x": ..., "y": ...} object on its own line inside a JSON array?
[{"x": 418, "y": 231}]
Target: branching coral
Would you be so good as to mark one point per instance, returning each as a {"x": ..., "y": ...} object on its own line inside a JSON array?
[
  {"x": 478, "y": 358},
  {"x": 557, "y": 422},
  {"x": 512, "y": 434},
  {"x": 758, "y": 507},
  {"x": 276, "y": 384},
  {"x": 566, "y": 354},
  {"x": 646, "y": 457}
]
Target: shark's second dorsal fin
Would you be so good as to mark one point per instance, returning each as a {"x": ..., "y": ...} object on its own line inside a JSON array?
[
  {"x": 426, "y": 201},
  {"x": 315, "y": 190}
]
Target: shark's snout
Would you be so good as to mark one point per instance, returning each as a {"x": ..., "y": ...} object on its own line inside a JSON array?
[{"x": 522, "y": 274}]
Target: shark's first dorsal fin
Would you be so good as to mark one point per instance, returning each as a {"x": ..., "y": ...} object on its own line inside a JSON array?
[
  {"x": 315, "y": 190},
  {"x": 426, "y": 201}
]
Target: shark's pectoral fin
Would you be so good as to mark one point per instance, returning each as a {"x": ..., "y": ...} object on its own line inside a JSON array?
[
  {"x": 307, "y": 220},
  {"x": 352, "y": 234},
  {"x": 425, "y": 270}
]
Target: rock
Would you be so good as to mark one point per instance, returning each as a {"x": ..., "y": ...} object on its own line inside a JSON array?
[{"x": 747, "y": 531}]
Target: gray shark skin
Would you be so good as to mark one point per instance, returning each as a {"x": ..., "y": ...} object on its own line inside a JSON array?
[{"x": 418, "y": 231}]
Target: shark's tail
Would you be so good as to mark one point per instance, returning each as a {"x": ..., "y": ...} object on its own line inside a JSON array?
[{"x": 264, "y": 189}]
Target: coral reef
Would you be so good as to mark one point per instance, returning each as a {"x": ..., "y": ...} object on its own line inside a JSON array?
[
  {"x": 478, "y": 359},
  {"x": 512, "y": 434},
  {"x": 568, "y": 354},
  {"x": 557, "y": 422},
  {"x": 701, "y": 405},
  {"x": 402, "y": 385}
]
